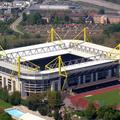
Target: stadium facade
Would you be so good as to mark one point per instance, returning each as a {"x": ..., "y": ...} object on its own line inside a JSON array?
[{"x": 85, "y": 64}]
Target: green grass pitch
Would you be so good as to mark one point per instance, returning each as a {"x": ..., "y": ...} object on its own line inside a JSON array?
[{"x": 107, "y": 98}]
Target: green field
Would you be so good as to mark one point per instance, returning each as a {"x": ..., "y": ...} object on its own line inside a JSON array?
[
  {"x": 4, "y": 104},
  {"x": 108, "y": 98}
]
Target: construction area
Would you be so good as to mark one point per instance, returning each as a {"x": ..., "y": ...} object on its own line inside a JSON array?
[{"x": 60, "y": 64}]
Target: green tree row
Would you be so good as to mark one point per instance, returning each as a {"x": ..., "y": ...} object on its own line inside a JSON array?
[
  {"x": 45, "y": 103},
  {"x": 114, "y": 1},
  {"x": 32, "y": 19},
  {"x": 103, "y": 113},
  {"x": 4, "y": 28},
  {"x": 14, "y": 99}
]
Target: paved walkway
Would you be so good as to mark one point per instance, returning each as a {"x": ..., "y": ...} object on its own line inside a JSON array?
[{"x": 14, "y": 25}]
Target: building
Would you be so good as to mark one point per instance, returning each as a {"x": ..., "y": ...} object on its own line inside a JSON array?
[
  {"x": 84, "y": 64},
  {"x": 29, "y": 116},
  {"x": 106, "y": 19},
  {"x": 39, "y": 7}
]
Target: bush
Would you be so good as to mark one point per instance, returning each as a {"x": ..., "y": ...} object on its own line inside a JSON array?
[
  {"x": 90, "y": 112},
  {"x": 43, "y": 109},
  {"x": 24, "y": 102},
  {"x": 5, "y": 116},
  {"x": 57, "y": 115},
  {"x": 4, "y": 94},
  {"x": 15, "y": 98},
  {"x": 50, "y": 114}
]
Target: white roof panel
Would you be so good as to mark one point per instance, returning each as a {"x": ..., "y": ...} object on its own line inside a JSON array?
[{"x": 77, "y": 66}]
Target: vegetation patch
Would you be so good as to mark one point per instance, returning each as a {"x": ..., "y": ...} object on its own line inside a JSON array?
[
  {"x": 4, "y": 104},
  {"x": 114, "y": 1}
]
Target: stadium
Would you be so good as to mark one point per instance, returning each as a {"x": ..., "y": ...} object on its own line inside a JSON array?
[{"x": 69, "y": 64}]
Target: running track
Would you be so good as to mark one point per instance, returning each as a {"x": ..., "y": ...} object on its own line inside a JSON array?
[
  {"x": 99, "y": 91},
  {"x": 80, "y": 97}
]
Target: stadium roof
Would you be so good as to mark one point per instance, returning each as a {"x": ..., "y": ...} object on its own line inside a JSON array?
[{"x": 56, "y": 48}]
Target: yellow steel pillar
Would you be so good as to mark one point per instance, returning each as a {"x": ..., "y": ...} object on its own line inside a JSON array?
[
  {"x": 118, "y": 47},
  {"x": 59, "y": 64},
  {"x": 52, "y": 34},
  {"x": 18, "y": 64},
  {"x": 85, "y": 34}
]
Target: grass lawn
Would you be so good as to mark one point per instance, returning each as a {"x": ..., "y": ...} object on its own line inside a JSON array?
[
  {"x": 4, "y": 104},
  {"x": 108, "y": 98}
]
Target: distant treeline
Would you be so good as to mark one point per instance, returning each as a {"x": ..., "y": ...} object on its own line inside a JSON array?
[
  {"x": 114, "y": 1},
  {"x": 6, "y": 0}
]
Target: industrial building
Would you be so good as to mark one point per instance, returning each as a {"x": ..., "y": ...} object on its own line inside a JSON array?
[
  {"x": 51, "y": 7},
  {"x": 58, "y": 65}
]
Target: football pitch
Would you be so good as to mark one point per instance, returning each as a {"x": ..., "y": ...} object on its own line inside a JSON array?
[{"x": 107, "y": 98}]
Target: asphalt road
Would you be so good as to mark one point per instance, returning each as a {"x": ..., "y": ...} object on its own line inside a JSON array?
[{"x": 102, "y": 3}]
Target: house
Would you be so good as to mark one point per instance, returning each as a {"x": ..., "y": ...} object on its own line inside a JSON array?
[{"x": 106, "y": 19}]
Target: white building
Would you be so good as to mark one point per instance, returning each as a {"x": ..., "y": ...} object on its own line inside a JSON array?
[{"x": 29, "y": 116}]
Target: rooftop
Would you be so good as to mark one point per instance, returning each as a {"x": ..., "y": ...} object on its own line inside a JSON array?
[{"x": 29, "y": 116}]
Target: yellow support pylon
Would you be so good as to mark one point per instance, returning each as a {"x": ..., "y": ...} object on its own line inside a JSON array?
[
  {"x": 29, "y": 65},
  {"x": 114, "y": 52},
  {"x": 18, "y": 64},
  {"x": 60, "y": 65},
  {"x": 2, "y": 52},
  {"x": 84, "y": 32},
  {"x": 54, "y": 35}
]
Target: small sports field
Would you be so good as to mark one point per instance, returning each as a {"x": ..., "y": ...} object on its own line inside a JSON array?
[{"x": 106, "y": 98}]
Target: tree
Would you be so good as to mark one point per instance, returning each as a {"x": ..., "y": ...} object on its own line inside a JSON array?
[
  {"x": 58, "y": 99},
  {"x": 4, "y": 94},
  {"x": 108, "y": 30},
  {"x": 5, "y": 116},
  {"x": 15, "y": 98},
  {"x": 108, "y": 113},
  {"x": 38, "y": 18},
  {"x": 32, "y": 102},
  {"x": 32, "y": 19},
  {"x": 67, "y": 116},
  {"x": 56, "y": 20},
  {"x": 35, "y": 100},
  {"x": 66, "y": 18},
  {"x": 90, "y": 112},
  {"x": 57, "y": 115},
  {"x": 54, "y": 99},
  {"x": 100, "y": 113},
  {"x": 4, "y": 28},
  {"x": 5, "y": 43},
  {"x": 81, "y": 20},
  {"x": 102, "y": 11},
  {"x": 43, "y": 109},
  {"x": 24, "y": 17}
]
